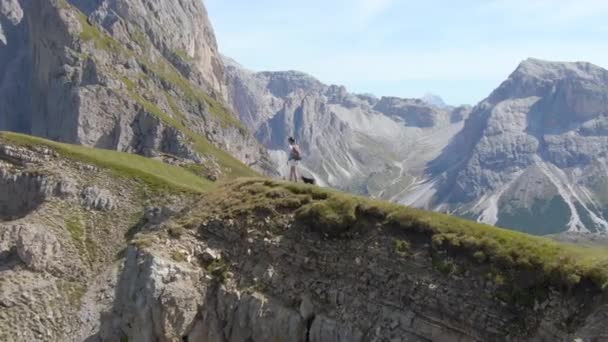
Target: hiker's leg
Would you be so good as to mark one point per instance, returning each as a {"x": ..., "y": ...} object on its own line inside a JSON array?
[{"x": 292, "y": 174}]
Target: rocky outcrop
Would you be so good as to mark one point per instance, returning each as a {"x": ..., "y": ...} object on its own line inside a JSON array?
[
  {"x": 63, "y": 225},
  {"x": 232, "y": 280},
  {"x": 98, "y": 199},
  {"x": 36, "y": 248},
  {"x": 141, "y": 77},
  {"x": 22, "y": 192},
  {"x": 353, "y": 142}
]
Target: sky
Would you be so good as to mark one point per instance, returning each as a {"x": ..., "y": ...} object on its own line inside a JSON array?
[{"x": 458, "y": 49}]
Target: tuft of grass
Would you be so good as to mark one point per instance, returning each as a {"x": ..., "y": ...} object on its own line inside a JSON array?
[
  {"x": 143, "y": 241},
  {"x": 75, "y": 228},
  {"x": 446, "y": 266},
  {"x": 332, "y": 217},
  {"x": 140, "y": 38},
  {"x": 402, "y": 247},
  {"x": 73, "y": 291},
  {"x": 219, "y": 270},
  {"x": 157, "y": 175},
  {"x": 183, "y": 54},
  {"x": 178, "y": 256},
  {"x": 175, "y": 231}
]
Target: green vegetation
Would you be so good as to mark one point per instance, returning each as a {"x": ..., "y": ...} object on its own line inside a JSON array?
[
  {"x": 75, "y": 228},
  {"x": 73, "y": 291},
  {"x": 176, "y": 231},
  {"x": 167, "y": 72},
  {"x": 402, "y": 247},
  {"x": 446, "y": 266},
  {"x": 140, "y": 38},
  {"x": 179, "y": 256},
  {"x": 219, "y": 270},
  {"x": 183, "y": 54},
  {"x": 157, "y": 175},
  {"x": 143, "y": 241},
  {"x": 339, "y": 216},
  {"x": 101, "y": 40}
]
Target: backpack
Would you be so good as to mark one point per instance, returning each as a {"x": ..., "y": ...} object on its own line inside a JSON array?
[{"x": 295, "y": 153}]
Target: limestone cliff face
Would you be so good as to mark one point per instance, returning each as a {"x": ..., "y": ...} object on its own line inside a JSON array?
[{"x": 142, "y": 77}]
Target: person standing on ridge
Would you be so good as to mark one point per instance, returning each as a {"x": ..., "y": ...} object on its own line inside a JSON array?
[{"x": 294, "y": 159}]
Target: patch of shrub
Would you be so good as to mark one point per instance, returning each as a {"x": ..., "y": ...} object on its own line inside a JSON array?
[
  {"x": 219, "y": 270},
  {"x": 402, "y": 247},
  {"x": 331, "y": 217},
  {"x": 480, "y": 256},
  {"x": 175, "y": 231},
  {"x": 179, "y": 256}
]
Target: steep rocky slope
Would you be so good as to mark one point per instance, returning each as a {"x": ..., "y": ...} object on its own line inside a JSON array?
[
  {"x": 136, "y": 76},
  {"x": 354, "y": 142},
  {"x": 64, "y": 226},
  {"x": 113, "y": 247},
  {"x": 532, "y": 156}
]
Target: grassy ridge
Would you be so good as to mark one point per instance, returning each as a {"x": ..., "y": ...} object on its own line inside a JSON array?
[
  {"x": 153, "y": 172},
  {"x": 338, "y": 215}
]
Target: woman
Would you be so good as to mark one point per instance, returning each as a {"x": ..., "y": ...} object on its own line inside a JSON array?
[{"x": 294, "y": 159}]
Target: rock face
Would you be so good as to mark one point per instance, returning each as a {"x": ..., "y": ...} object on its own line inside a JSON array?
[
  {"x": 353, "y": 142},
  {"x": 136, "y": 76},
  {"x": 53, "y": 245},
  {"x": 532, "y": 156}
]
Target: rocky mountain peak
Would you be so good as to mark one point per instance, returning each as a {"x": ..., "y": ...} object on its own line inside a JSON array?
[
  {"x": 412, "y": 112},
  {"x": 525, "y": 155},
  {"x": 283, "y": 83},
  {"x": 434, "y": 100},
  {"x": 549, "y": 70},
  {"x": 571, "y": 92}
]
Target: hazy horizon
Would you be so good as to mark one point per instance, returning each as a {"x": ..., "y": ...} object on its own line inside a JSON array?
[{"x": 460, "y": 52}]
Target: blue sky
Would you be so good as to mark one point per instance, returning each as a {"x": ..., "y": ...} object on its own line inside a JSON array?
[{"x": 458, "y": 49}]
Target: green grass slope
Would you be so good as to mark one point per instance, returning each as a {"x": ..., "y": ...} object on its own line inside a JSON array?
[
  {"x": 512, "y": 255},
  {"x": 158, "y": 175}
]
